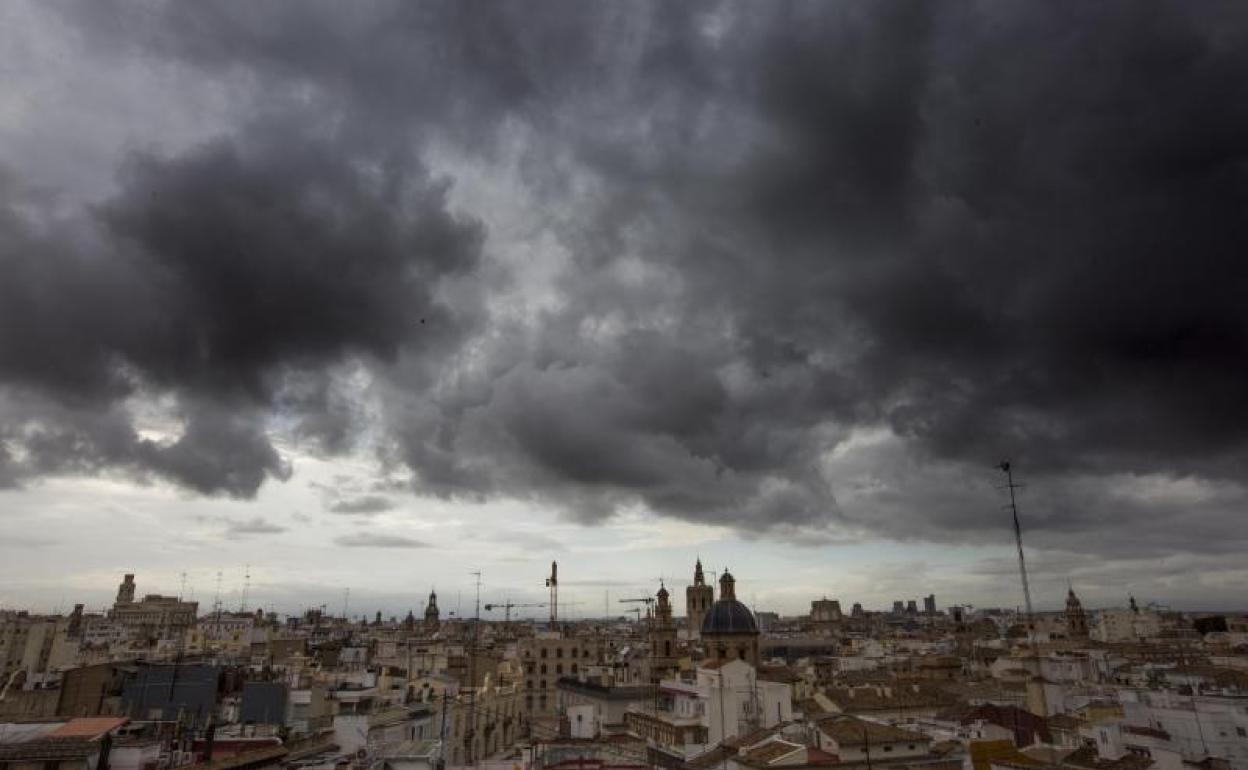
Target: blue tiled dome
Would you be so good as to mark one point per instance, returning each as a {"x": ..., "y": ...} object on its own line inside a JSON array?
[{"x": 729, "y": 616}]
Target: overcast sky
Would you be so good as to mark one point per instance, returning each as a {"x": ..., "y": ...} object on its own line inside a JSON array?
[{"x": 370, "y": 295}]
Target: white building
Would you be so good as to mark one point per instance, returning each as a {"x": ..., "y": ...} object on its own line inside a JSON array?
[
  {"x": 726, "y": 700},
  {"x": 1197, "y": 726},
  {"x": 1125, "y": 624},
  {"x": 856, "y": 740}
]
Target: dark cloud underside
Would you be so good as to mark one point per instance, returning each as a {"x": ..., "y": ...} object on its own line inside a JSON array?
[{"x": 983, "y": 230}]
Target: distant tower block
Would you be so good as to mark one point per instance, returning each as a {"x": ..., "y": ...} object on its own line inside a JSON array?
[
  {"x": 698, "y": 600},
  {"x": 125, "y": 591},
  {"x": 825, "y": 610}
]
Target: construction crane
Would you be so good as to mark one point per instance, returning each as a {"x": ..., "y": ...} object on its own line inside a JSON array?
[
  {"x": 646, "y": 600},
  {"x": 552, "y": 583},
  {"x": 507, "y": 607}
]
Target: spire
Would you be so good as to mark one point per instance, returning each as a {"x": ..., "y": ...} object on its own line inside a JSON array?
[{"x": 698, "y": 578}]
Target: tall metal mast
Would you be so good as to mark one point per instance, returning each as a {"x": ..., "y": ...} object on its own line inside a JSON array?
[
  {"x": 242, "y": 602},
  {"x": 1022, "y": 561},
  {"x": 472, "y": 674},
  {"x": 1022, "y": 572}
]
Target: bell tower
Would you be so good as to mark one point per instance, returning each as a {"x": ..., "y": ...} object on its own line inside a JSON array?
[
  {"x": 698, "y": 600},
  {"x": 1076, "y": 620},
  {"x": 662, "y": 638},
  {"x": 432, "y": 621}
]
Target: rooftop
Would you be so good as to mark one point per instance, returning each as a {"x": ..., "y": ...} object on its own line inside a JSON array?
[{"x": 851, "y": 731}]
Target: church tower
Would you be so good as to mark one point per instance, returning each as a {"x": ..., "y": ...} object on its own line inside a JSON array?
[
  {"x": 698, "y": 600},
  {"x": 431, "y": 613},
  {"x": 1076, "y": 620},
  {"x": 662, "y": 639}
]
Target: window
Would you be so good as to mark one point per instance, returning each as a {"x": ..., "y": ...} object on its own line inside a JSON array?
[
  {"x": 1241, "y": 732},
  {"x": 558, "y": 668},
  {"x": 910, "y": 746},
  {"x": 543, "y": 668},
  {"x": 543, "y": 652},
  {"x": 559, "y": 652},
  {"x": 888, "y": 748}
]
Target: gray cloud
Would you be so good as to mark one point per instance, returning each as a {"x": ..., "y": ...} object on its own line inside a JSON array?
[
  {"x": 252, "y": 526},
  {"x": 984, "y": 231},
  {"x": 378, "y": 540},
  {"x": 367, "y": 505}
]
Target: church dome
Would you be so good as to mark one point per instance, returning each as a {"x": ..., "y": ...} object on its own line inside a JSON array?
[{"x": 729, "y": 616}]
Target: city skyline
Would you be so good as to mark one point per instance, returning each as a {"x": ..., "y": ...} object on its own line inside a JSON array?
[{"x": 374, "y": 294}]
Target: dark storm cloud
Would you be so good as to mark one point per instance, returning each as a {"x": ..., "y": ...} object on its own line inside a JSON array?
[
  {"x": 995, "y": 230},
  {"x": 233, "y": 278}
]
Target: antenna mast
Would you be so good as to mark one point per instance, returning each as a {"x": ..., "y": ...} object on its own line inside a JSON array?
[
  {"x": 216, "y": 603},
  {"x": 472, "y": 666},
  {"x": 1018, "y": 540},
  {"x": 242, "y": 602},
  {"x": 1022, "y": 572}
]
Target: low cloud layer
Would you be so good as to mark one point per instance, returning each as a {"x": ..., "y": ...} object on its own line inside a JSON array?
[
  {"x": 807, "y": 271},
  {"x": 378, "y": 540}
]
